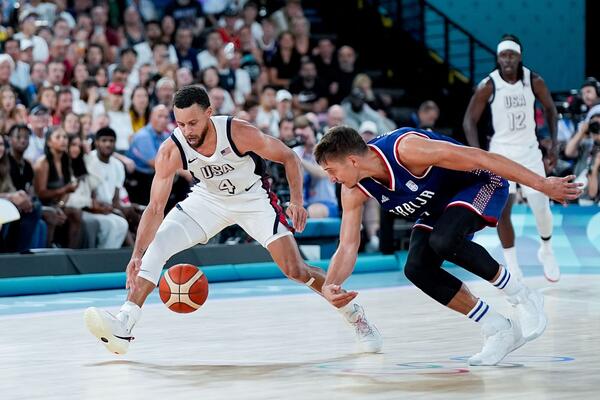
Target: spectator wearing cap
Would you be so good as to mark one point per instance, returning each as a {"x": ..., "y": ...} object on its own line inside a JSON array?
[
  {"x": 143, "y": 150},
  {"x": 11, "y": 113},
  {"x": 20, "y": 76},
  {"x": 310, "y": 93},
  {"x": 38, "y": 121},
  {"x": 267, "y": 119},
  {"x": 7, "y": 67},
  {"x": 27, "y": 31},
  {"x": 120, "y": 121},
  {"x": 283, "y": 98}
]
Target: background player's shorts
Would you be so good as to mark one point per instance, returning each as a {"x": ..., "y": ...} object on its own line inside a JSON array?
[
  {"x": 257, "y": 212},
  {"x": 486, "y": 199},
  {"x": 528, "y": 156}
]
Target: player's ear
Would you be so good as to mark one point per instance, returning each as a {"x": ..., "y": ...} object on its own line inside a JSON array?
[
  {"x": 353, "y": 160},
  {"x": 208, "y": 112}
]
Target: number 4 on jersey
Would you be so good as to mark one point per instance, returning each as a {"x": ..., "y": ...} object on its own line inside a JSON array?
[{"x": 226, "y": 185}]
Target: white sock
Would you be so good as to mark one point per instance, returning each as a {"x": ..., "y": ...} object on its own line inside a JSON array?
[
  {"x": 546, "y": 245},
  {"x": 350, "y": 311},
  {"x": 491, "y": 321},
  {"x": 510, "y": 256},
  {"x": 508, "y": 283},
  {"x": 130, "y": 313}
]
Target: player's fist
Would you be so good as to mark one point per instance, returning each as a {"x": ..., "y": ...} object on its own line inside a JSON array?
[{"x": 338, "y": 296}]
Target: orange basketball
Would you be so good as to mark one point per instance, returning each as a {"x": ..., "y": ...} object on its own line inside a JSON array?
[{"x": 183, "y": 288}]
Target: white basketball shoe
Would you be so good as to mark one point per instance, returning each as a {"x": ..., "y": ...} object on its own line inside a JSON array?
[
  {"x": 499, "y": 345},
  {"x": 367, "y": 334},
  {"x": 112, "y": 332},
  {"x": 530, "y": 311},
  {"x": 551, "y": 268}
]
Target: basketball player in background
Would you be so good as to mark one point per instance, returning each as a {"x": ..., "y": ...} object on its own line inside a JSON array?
[
  {"x": 225, "y": 158},
  {"x": 453, "y": 191},
  {"x": 511, "y": 91}
]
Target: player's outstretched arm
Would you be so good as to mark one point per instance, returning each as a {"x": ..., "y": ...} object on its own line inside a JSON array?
[
  {"x": 418, "y": 154},
  {"x": 167, "y": 162},
  {"x": 474, "y": 111},
  {"x": 248, "y": 138},
  {"x": 344, "y": 259}
]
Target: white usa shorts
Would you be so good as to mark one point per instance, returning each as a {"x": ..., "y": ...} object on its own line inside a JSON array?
[
  {"x": 528, "y": 156},
  {"x": 257, "y": 212}
]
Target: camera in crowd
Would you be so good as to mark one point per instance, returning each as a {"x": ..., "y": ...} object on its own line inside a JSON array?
[{"x": 594, "y": 128}]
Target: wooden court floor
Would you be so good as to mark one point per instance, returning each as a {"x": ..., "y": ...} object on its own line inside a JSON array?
[{"x": 297, "y": 347}]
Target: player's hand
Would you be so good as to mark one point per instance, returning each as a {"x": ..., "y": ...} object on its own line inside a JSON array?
[
  {"x": 298, "y": 215},
  {"x": 338, "y": 296},
  {"x": 133, "y": 269},
  {"x": 563, "y": 189}
]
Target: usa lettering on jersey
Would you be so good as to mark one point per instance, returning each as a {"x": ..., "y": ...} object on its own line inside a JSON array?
[
  {"x": 209, "y": 171},
  {"x": 514, "y": 101}
]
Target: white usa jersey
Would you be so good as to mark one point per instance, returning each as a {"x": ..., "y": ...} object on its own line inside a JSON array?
[
  {"x": 226, "y": 172},
  {"x": 513, "y": 110}
]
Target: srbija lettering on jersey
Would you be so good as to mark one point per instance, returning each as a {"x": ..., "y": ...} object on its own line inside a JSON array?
[{"x": 413, "y": 196}]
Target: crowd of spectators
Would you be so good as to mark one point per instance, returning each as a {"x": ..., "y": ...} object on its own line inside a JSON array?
[{"x": 86, "y": 92}]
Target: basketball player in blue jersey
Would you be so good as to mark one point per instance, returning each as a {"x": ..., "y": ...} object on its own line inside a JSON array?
[
  {"x": 225, "y": 157},
  {"x": 511, "y": 91},
  {"x": 451, "y": 191}
]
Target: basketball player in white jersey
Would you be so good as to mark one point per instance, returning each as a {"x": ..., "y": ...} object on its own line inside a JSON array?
[
  {"x": 511, "y": 91},
  {"x": 225, "y": 157}
]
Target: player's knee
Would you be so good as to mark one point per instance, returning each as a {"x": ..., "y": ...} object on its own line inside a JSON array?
[{"x": 443, "y": 244}]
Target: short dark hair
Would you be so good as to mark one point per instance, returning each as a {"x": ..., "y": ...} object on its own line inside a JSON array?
[
  {"x": 190, "y": 95},
  {"x": 338, "y": 142},
  {"x": 106, "y": 132},
  {"x": 17, "y": 128}
]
